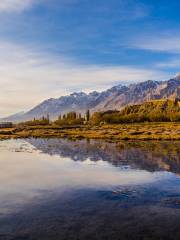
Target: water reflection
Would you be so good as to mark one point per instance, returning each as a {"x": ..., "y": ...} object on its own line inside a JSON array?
[
  {"x": 49, "y": 188},
  {"x": 32, "y": 167},
  {"x": 150, "y": 156}
]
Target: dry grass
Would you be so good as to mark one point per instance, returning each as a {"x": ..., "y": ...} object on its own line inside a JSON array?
[{"x": 138, "y": 131}]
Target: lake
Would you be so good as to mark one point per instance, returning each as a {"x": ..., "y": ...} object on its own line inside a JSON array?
[{"x": 57, "y": 189}]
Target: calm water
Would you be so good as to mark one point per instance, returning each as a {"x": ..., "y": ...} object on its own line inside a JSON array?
[{"x": 59, "y": 189}]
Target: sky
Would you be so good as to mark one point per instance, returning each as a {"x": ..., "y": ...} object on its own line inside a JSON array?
[{"x": 50, "y": 48}]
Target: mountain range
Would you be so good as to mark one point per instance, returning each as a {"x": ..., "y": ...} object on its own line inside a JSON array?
[{"x": 116, "y": 97}]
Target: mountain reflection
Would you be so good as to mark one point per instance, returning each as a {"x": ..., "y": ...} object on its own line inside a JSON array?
[{"x": 151, "y": 156}]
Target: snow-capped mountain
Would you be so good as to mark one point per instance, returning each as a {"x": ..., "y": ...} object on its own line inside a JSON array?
[{"x": 114, "y": 98}]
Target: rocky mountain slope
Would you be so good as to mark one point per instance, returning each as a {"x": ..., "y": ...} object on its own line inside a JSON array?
[
  {"x": 115, "y": 98},
  {"x": 142, "y": 92}
]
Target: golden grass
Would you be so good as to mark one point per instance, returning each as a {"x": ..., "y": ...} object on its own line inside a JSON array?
[{"x": 115, "y": 132}]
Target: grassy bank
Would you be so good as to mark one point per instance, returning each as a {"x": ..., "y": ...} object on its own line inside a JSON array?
[{"x": 115, "y": 132}]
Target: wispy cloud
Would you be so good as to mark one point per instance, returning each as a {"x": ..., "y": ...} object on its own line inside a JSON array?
[
  {"x": 28, "y": 76},
  {"x": 21, "y": 5},
  {"x": 173, "y": 63},
  {"x": 162, "y": 43},
  {"x": 127, "y": 10},
  {"x": 15, "y": 5}
]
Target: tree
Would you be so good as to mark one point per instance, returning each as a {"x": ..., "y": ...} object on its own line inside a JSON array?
[
  {"x": 87, "y": 115},
  {"x": 48, "y": 117},
  {"x": 79, "y": 116},
  {"x": 71, "y": 116}
]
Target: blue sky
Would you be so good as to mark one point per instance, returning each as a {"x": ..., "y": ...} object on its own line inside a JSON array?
[{"x": 49, "y": 48}]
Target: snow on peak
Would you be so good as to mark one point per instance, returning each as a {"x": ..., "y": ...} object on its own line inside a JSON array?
[{"x": 177, "y": 76}]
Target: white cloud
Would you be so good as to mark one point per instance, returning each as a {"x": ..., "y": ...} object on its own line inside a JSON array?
[
  {"x": 162, "y": 43},
  {"x": 173, "y": 63},
  {"x": 28, "y": 76},
  {"x": 15, "y": 5},
  {"x": 21, "y": 5}
]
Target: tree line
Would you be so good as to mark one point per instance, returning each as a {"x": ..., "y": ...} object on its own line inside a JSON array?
[
  {"x": 154, "y": 111},
  {"x": 70, "y": 118},
  {"x": 73, "y": 118}
]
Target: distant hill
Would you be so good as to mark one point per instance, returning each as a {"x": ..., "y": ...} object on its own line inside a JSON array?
[
  {"x": 154, "y": 107},
  {"x": 151, "y": 111},
  {"x": 114, "y": 98},
  {"x": 14, "y": 117}
]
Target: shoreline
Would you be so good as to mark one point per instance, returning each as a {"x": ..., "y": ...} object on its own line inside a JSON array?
[{"x": 113, "y": 132}]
